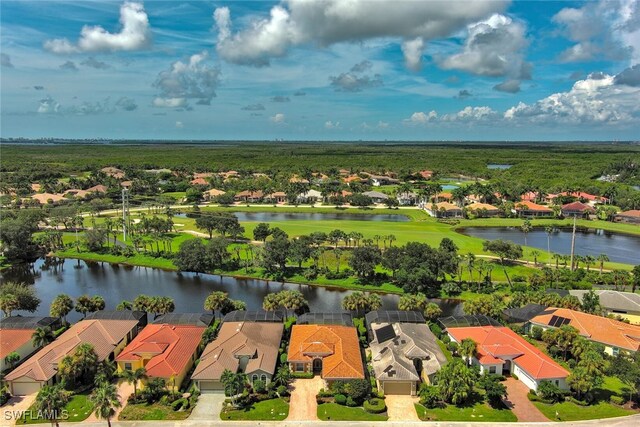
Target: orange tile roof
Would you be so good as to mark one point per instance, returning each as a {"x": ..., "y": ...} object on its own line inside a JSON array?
[
  {"x": 199, "y": 181},
  {"x": 631, "y": 214},
  {"x": 577, "y": 207},
  {"x": 583, "y": 195},
  {"x": 477, "y": 206},
  {"x": 595, "y": 328},
  {"x": 13, "y": 339},
  {"x": 496, "y": 342},
  {"x": 530, "y": 206},
  {"x": 339, "y": 343},
  {"x": 168, "y": 348},
  {"x": 447, "y": 206}
]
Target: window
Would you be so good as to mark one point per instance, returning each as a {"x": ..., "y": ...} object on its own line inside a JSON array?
[
  {"x": 615, "y": 351},
  {"x": 254, "y": 378},
  {"x": 557, "y": 382},
  {"x": 492, "y": 369},
  {"x": 127, "y": 366},
  {"x": 263, "y": 378},
  {"x": 299, "y": 367}
]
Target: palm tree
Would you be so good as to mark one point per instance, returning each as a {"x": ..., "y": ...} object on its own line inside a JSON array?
[
  {"x": 133, "y": 377},
  {"x": 215, "y": 301},
  {"x": 282, "y": 376},
  {"x": 234, "y": 383},
  {"x": 602, "y": 258},
  {"x": 61, "y": 306},
  {"x": 549, "y": 230},
  {"x": 42, "y": 336},
  {"x": 392, "y": 238},
  {"x": 105, "y": 401},
  {"x": 51, "y": 400},
  {"x": 589, "y": 261},
  {"x": 467, "y": 349},
  {"x": 535, "y": 254},
  {"x": 526, "y": 227},
  {"x": 12, "y": 358},
  {"x": 557, "y": 257},
  {"x": 470, "y": 260},
  {"x": 338, "y": 254}
]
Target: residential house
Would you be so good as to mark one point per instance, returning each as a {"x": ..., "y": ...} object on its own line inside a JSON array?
[
  {"x": 501, "y": 351},
  {"x": 591, "y": 199},
  {"x": 378, "y": 180},
  {"x": 625, "y": 305},
  {"x": 522, "y": 314},
  {"x": 426, "y": 174},
  {"x": 249, "y": 196},
  {"x": 443, "y": 210},
  {"x": 46, "y": 198},
  {"x": 16, "y": 336},
  {"x": 165, "y": 350},
  {"x": 113, "y": 172},
  {"x": 199, "y": 181},
  {"x": 376, "y": 196},
  {"x": 278, "y": 197},
  {"x": 616, "y": 336},
  {"x": 529, "y": 209},
  {"x": 484, "y": 210},
  {"x": 108, "y": 338},
  {"x": 245, "y": 346},
  {"x": 213, "y": 193},
  {"x": 631, "y": 217},
  {"x": 407, "y": 198},
  {"x": 441, "y": 197},
  {"x": 403, "y": 355},
  {"x": 577, "y": 209},
  {"x": 97, "y": 189},
  {"x": 333, "y": 351},
  {"x": 311, "y": 196}
]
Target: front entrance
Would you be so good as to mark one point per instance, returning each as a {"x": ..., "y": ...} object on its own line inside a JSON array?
[
  {"x": 317, "y": 365},
  {"x": 506, "y": 368}
]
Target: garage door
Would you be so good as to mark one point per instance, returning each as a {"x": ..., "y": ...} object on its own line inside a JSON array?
[
  {"x": 22, "y": 389},
  {"x": 211, "y": 386},
  {"x": 397, "y": 388}
]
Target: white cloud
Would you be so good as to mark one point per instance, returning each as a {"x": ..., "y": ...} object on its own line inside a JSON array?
[
  {"x": 323, "y": 23},
  {"x": 134, "y": 35},
  {"x": 277, "y": 119},
  {"x": 412, "y": 50},
  {"x": 495, "y": 48},
  {"x": 179, "y": 125},
  {"x": 596, "y": 100},
  {"x": 187, "y": 80},
  {"x": 421, "y": 118},
  {"x": 48, "y": 105},
  {"x": 471, "y": 114},
  {"x": 331, "y": 125}
]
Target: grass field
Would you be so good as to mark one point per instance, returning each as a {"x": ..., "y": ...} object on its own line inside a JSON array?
[
  {"x": 569, "y": 411},
  {"x": 335, "y": 412},
  {"x": 79, "y": 408},
  {"x": 480, "y": 412},
  {"x": 266, "y": 410},
  {"x": 155, "y": 411}
]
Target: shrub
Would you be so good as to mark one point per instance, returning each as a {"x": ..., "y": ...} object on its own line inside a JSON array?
[
  {"x": 536, "y": 333},
  {"x": 451, "y": 289},
  {"x": 429, "y": 396},
  {"x": 282, "y": 391},
  {"x": 445, "y": 339},
  {"x": 283, "y": 359},
  {"x": 325, "y": 393},
  {"x": 617, "y": 400},
  {"x": 340, "y": 399},
  {"x": 302, "y": 375},
  {"x": 374, "y": 406},
  {"x": 259, "y": 386},
  {"x": 351, "y": 403},
  {"x": 532, "y": 396},
  {"x": 550, "y": 392},
  {"x": 310, "y": 274},
  {"x": 179, "y": 404},
  {"x": 437, "y": 331},
  {"x": 514, "y": 376},
  {"x": 452, "y": 346}
]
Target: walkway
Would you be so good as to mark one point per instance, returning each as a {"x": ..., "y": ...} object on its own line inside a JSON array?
[
  {"x": 520, "y": 404},
  {"x": 303, "y": 405},
  {"x": 401, "y": 408},
  {"x": 14, "y": 407}
]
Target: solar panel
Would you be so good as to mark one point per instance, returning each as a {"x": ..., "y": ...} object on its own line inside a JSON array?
[
  {"x": 385, "y": 333},
  {"x": 553, "y": 321},
  {"x": 563, "y": 321}
]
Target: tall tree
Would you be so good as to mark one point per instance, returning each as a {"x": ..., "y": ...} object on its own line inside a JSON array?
[
  {"x": 105, "y": 401},
  {"x": 61, "y": 306},
  {"x": 216, "y": 301},
  {"x": 51, "y": 400},
  {"x": 17, "y": 296},
  {"x": 42, "y": 336},
  {"x": 505, "y": 251},
  {"x": 134, "y": 377}
]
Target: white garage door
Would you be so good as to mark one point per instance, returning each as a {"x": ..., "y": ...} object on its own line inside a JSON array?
[
  {"x": 403, "y": 388},
  {"x": 211, "y": 386},
  {"x": 23, "y": 389}
]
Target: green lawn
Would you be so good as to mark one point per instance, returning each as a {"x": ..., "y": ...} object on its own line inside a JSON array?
[
  {"x": 335, "y": 412},
  {"x": 478, "y": 412},
  {"x": 267, "y": 410},
  {"x": 568, "y": 411},
  {"x": 78, "y": 408},
  {"x": 155, "y": 411}
]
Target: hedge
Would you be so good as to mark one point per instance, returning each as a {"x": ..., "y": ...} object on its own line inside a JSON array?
[
  {"x": 302, "y": 375},
  {"x": 340, "y": 399},
  {"x": 375, "y": 405}
]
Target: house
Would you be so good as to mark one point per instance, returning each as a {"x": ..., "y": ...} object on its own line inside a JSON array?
[
  {"x": 113, "y": 172},
  {"x": 403, "y": 355},
  {"x": 586, "y": 197},
  {"x": 311, "y": 196},
  {"x": 97, "y": 189},
  {"x": 333, "y": 351},
  {"x": 376, "y": 196},
  {"x": 378, "y": 180},
  {"x": 529, "y": 196},
  {"x": 249, "y": 196},
  {"x": 46, "y": 198},
  {"x": 483, "y": 210},
  {"x": 619, "y": 304},
  {"x": 577, "y": 209},
  {"x": 199, "y": 181},
  {"x": 523, "y": 314},
  {"x": 426, "y": 174},
  {"x": 616, "y": 336},
  {"x": 407, "y": 198},
  {"x": 501, "y": 351},
  {"x": 77, "y": 193},
  {"x": 530, "y": 209},
  {"x": 213, "y": 193},
  {"x": 165, "y": 350},
  {"x": 279, "y": 197},
  {"x": 443, "y": 210},
  {"x": 16, "y": 336},
  {"x": 108, "y": 338},
  {"x": 245, "y": 346},
  {"x": 441, "y": 197},
  {"x": 631, "y": 217}
]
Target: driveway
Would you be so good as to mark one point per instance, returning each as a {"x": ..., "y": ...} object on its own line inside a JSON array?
[
  {"x": 208, "y": 407},
  {"x": 303, "y": 405},
  {"x": 520, "y": 404},
  {"x": 14, "y": 407},
  {"x": 401, "y": 408},
  {"x": 124, "y": 391}
]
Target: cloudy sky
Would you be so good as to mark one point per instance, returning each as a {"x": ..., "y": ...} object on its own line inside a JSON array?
[{"x": 321, "y": 70}]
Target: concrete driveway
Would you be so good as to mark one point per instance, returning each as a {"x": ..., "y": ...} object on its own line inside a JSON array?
[
  {"x": 14, "y": 407},
  {"x": 208, "y": 407},
  {"x": 401, "y": 408},
  {"x": 303, "y": 405},
  {"x": 520, "y": 404}
]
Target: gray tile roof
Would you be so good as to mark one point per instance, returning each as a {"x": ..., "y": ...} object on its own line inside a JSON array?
[{"x": 613, "y": 300}]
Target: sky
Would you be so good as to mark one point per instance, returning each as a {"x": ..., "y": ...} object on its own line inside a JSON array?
[{"x": 321, "y": 70}]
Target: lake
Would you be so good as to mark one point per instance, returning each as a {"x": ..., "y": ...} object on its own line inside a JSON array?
[
  {"x": 311, "y": 216},
  {"x": 499, "y": 167},
  {"x": 618, "y": 247},
  {"x": 115, "y": 283},
  {"x": 449, "y": 187}
]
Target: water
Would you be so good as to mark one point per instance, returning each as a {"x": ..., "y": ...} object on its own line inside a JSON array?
[
  {"x": 618, "y": 247},
  {"x": 311, "y": 216},
  {"x": 449, "y": 187},
  {"x": 499, "y": 167},
  {"x": 115, "y": 283}
]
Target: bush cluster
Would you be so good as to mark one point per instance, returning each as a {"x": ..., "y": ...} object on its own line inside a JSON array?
[{"x": 375, "y": 405}]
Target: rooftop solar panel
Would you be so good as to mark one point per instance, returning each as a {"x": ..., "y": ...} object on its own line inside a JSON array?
[{"x": 385, "y": 333}]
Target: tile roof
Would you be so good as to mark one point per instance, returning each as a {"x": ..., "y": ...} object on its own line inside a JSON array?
[
  {"x": 344, "y": 362},
  {"x": 170, "y": 347},
  {"x": 447, "y": 206},
  {"x": 477, "y": 206},
  {"x": 613, "y": 300},
  {"x": 530, "y": 206},
  {"x": 13, "y": 339},
  {"x": 631, "y": 214},
  {"x": 494, "y": 342},
  {"x": 103, "y": 335},
  {"x": 577, "y": 207},
  {"x": 260, "y": 340},
  {"x": 393, "y": 358},
  {"x": 596, "y": 328}
]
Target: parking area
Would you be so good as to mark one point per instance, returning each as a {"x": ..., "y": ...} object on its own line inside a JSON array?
[{"x": 303, "y": 405}]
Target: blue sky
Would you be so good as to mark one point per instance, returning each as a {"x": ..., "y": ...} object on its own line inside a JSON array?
[{"x": 336, "y": 69}]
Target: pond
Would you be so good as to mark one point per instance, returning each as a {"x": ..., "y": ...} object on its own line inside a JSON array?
[
  {"x": 618, "y": 247},
  {"x": 115, "y": 283},
  {"x": 449, "y": 187},
  {"x": 499, "y": 167},
  {"x": 311, "y": 216}
]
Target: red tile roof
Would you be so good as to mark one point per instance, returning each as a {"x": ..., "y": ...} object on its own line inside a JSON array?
[
  {"x": 577, "y": 207},
  {"x": 13, "y": 339},
  {"x": 631, "y": 214},
  {"x": 586, "y": 196},
  {"x": 497, "y": 342},
  {"x": 168, "y": 348},
  {"x": 530, "y": 206}
]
